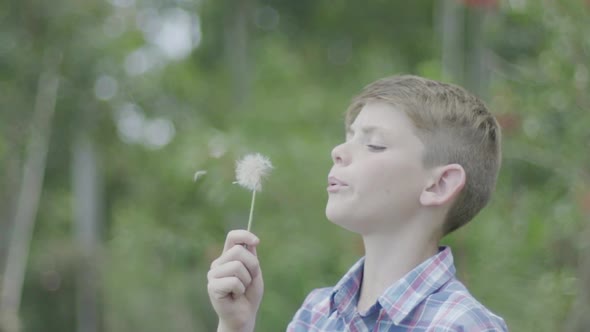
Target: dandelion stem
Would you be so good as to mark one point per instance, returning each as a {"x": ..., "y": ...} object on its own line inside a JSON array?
[{"x": 251, "y": 209}]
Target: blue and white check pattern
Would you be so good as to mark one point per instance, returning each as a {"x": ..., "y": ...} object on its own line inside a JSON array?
[{"x": 428, "y": 298}]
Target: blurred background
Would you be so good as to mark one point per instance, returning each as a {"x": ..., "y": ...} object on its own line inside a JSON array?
[{"x": 108, "y": 108}]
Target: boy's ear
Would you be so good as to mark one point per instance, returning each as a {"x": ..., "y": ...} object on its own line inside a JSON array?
[{"x": 446, "y": 183}]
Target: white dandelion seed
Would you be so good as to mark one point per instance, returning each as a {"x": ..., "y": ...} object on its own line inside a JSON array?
[
  {"x": 198, "y": 174},
  {"x": 250, "y": 171}
]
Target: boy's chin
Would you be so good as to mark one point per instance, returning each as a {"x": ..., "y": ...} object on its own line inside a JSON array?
[
  {"x": 344, "y": 220},
  {"x": 333, "y": 214}
]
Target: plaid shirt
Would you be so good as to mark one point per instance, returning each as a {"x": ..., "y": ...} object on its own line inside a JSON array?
[{"x": 428, "y": 298}]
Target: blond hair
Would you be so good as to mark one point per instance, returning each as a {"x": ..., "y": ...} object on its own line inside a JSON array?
[{"x": 455, "y": 127}]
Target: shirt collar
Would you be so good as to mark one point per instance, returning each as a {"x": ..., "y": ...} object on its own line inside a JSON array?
[
  {"x": 345, "y": 293},
  {"x": 404, "y": 295}
]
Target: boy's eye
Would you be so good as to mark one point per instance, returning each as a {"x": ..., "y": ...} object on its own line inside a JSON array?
[{"x": 376, "y": 147}]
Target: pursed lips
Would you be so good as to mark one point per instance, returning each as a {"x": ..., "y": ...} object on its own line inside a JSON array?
[{"x": 335, "y": 184}]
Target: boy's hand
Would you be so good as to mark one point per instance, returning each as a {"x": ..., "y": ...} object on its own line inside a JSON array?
[{"x": 235, "y": 283}]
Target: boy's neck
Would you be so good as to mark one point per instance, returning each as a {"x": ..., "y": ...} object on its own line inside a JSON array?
[{"x": 389, "y": 257}]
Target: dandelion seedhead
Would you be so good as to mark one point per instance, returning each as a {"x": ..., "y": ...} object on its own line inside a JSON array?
[{"x": 251, "y": 169}]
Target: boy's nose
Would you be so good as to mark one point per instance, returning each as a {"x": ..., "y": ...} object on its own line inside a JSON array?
[{"x": 339, "y": 154}]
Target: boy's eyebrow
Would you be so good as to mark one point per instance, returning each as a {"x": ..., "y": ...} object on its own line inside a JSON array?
[{"x": 365, "y": 130}]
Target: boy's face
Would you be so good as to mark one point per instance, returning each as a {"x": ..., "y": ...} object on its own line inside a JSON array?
[{"x": 378, "y": 175}]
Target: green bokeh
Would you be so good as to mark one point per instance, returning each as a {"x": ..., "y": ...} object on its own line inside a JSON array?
[{"x": 282, "y": 94}]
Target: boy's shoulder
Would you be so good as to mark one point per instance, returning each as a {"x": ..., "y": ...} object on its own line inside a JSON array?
[
  {"x": 430, "y": 298},
  {"x": 453, "y": 308}
]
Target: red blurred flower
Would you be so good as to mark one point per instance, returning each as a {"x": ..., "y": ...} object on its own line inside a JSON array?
[
  {"x": 584, "y": 201},
  {"x": 509, "y": 122},
  {"x": 481, "y": 3}
]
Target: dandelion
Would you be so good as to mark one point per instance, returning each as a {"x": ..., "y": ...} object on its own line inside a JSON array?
[{"x": 250, "y": 171}]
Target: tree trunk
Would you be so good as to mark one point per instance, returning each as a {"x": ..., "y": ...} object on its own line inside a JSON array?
[
  {"x": 236, "y": 49},
  {"x": 451, "y": 17},
  {"x": 87, "y": 209},
  {"x": 478, "y": 75},
  {"x": 28, "y": 199}
]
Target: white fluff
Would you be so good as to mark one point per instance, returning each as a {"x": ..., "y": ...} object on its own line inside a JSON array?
[
  {"x": 198, "y": 174},
  {"x": 251, "y": 169}
]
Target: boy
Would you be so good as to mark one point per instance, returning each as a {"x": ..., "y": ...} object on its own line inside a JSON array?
[{"x": 420, "y": 160}]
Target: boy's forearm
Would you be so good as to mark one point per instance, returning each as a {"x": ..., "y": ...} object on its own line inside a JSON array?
[{"x": 247, "y": 328}]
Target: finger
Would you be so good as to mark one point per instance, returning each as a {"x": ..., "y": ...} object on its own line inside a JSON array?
[
  {"x": 220, "y": 288},
  {"x": 241, "y": 254},
  {"x": 240, "y": 236},
  {"x": 231, "y": 269}
]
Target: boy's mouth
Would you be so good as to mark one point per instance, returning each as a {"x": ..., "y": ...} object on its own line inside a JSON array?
[{"x": 335, "y": 184}]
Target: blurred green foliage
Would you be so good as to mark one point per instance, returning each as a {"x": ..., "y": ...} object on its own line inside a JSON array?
[{"x": 281, "y": 90}]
